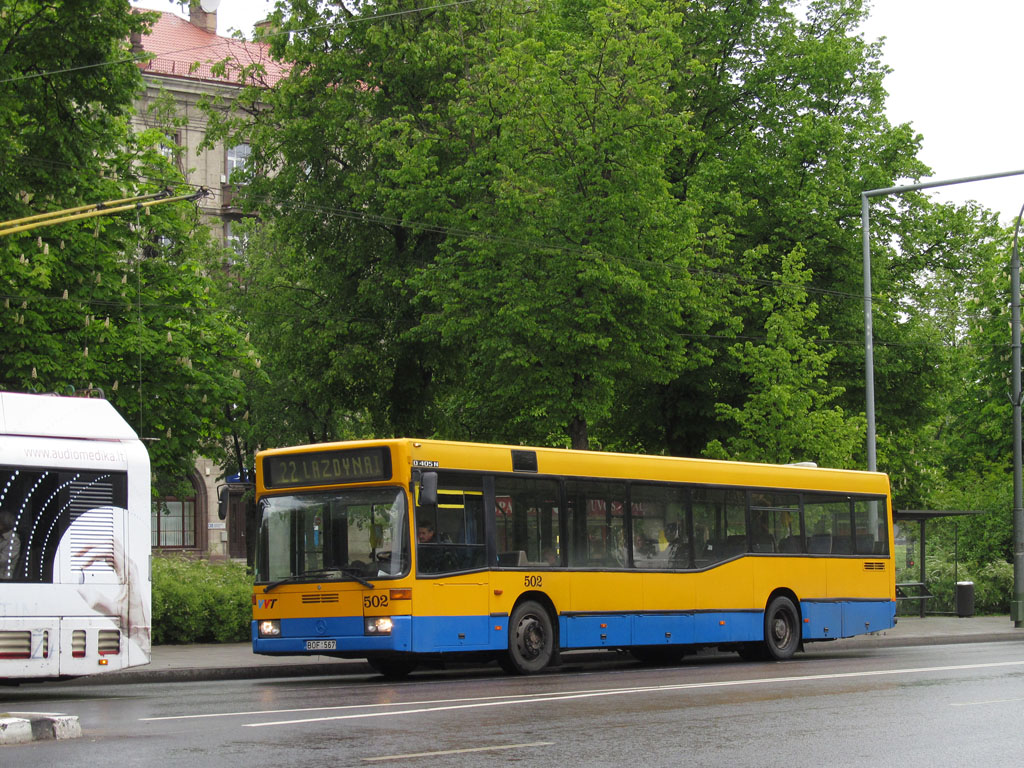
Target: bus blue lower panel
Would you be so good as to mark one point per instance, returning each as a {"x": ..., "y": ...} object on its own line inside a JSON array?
[
  {"x": 348, "y": 634},
  {"x": 448, "y": 634},
  {"x": 821, "y": 620},
  {"x": 846, "y": 618},
  {"x": 686, "y": 628}
]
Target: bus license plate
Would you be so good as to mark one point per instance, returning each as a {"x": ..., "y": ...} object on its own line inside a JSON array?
[{"x": 321, "y": 645}]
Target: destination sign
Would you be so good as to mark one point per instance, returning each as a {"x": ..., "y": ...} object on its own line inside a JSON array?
[{"x": 354, "y": 465}]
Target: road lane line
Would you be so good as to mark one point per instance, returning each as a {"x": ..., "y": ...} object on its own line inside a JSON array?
[
  {"x": 981, "y": 703},
  {"x": 438, "y": 753},
  {"x": 457, "y": 704},
  {"x": 340, "y": 707}
]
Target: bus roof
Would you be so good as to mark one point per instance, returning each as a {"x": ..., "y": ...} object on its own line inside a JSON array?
[
  {"x": 444, "y": 454},
  {"x": 54, "y": 416}
]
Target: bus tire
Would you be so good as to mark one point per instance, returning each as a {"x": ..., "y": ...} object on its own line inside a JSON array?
[
  {"x": 392, "y": 669},
  {"x": 781, "y": 629},
  {"x": 531, "y": 639}
]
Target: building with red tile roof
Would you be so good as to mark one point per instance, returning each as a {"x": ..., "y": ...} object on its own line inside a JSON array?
[
  {"x": 184, "y": 53},
  {"x": 189, "y": 48}
]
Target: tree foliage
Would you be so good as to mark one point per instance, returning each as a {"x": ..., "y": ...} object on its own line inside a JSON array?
[
  {"x": 629, "y": 224},
  {"x": 118, "y": 302},
  {"x": 492, "y": 157},
  {"x": 790, "y": 414}
]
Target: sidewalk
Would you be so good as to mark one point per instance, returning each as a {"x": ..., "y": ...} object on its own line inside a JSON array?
[{"x": 183, "y": 663}]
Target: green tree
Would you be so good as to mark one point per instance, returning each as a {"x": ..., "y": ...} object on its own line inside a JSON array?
[
  {"x": 583, "y": 289},
  {"x": 478, "y": 223},
  {"x": 551, "y": 223},
  {"x": 790, "y": 413},
  {"x": 119, "y": 302},
  {"x": 326, "y": 285},
  {"x": 790, "y": 127}
]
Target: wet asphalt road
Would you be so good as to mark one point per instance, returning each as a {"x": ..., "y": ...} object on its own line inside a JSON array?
[{"x": 909, "y": 706}]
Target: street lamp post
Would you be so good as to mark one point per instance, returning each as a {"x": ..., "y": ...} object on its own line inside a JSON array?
[{"x": 1017, "y": 604}]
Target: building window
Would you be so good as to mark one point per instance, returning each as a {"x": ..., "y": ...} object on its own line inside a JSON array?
[
  {"x": 174, "y": 523},
  {"x": 237, "y": 158},
  {"x": 171, "y": 149},
  {"x": 235, "y": 237}
]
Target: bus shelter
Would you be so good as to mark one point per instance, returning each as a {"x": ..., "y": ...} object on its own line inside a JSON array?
[{"x": 918, "y": 590}]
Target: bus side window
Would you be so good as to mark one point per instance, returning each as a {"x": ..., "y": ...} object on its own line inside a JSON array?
[
  {"x": 526, "y": 518},
  {"x": 597, "y": 523},
  {"x": 827, "y": 524},
  {"x": 869, "y": 519},
  {"x": 661, "y": 537}
]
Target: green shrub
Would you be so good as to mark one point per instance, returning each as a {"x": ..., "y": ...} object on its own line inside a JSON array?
[
  {"x": 993, "y": 584},
  {"x": 993, "y": 587},
  {"x": 196, "y": 601}
]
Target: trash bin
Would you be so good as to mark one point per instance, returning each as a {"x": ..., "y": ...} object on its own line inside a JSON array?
[{"x": 964, "y": 599}]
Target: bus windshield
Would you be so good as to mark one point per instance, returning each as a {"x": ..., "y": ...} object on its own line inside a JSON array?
[{"x": 355, "y": 533}]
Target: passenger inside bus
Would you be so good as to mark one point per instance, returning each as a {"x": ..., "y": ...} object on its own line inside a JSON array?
[{"x": 761, "y": 538}]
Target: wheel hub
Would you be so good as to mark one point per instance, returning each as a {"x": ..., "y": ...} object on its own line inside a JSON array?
[
  {"x": 530, "y": 638},
  {"x": 780, "y": 630}
]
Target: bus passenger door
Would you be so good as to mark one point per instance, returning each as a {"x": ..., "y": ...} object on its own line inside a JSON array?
[{"x": 451, "y": 606}]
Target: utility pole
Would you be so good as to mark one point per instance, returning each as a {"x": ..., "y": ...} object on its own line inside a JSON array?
[{"x": 1017, "y": 603}]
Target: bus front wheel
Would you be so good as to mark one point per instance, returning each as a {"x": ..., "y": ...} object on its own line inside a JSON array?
[
  {"x": 781, "y": 629},
  {"x": 531, "y": 639}
]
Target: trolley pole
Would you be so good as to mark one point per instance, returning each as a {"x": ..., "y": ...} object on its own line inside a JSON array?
[{"x": 1017, "y": 603}]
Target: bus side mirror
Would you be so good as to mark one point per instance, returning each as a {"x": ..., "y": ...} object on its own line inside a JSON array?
[
  {"x": 428, "y": 489},
  {"x": 223, "y": 499}
]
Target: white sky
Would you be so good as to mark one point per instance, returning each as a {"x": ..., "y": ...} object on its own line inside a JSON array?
[{"x": 954, "y": 68}]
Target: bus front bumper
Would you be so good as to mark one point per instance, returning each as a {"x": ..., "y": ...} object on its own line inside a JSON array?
[{"x": 350, "y": 636}]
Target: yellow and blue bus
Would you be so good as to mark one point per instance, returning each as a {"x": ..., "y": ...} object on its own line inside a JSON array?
[{"x": 404, "y": 551}]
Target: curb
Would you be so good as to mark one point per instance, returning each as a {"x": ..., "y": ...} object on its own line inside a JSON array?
[
  {"x": 883, "y": 640},
  {"x": 340, "y": 667},
  {"x": 23, "y": 727}
]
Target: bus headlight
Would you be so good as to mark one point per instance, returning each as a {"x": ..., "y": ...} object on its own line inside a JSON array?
[
  {"x": 377, "y": 625},
  {"x": 270, "y": 628}
]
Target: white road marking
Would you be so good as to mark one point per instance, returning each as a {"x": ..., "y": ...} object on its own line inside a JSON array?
[
  {"x": 340, "y": 707},
  {"x": 415, "y": 708},
  {"x": 383, "y": 758},
  {"x": 982, "y": 703}
]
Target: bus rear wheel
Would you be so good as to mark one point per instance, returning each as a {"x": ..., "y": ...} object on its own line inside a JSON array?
[
  {"x": 781, "y": 629},
  {"x": 531, "y": 639}
]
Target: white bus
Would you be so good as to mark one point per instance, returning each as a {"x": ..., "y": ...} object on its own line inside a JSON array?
[{"x": 74, "y": 539}]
